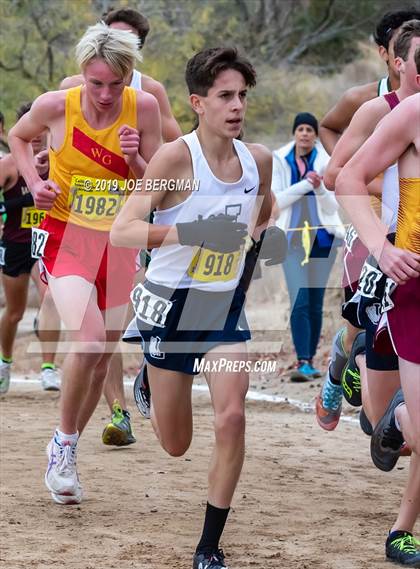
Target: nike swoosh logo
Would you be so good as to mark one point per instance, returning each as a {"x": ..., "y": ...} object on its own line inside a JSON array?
[{"x": 247, "y": 191}]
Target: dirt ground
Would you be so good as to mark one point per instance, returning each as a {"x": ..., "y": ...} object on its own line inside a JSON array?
[{"x": 307, "y": 499}]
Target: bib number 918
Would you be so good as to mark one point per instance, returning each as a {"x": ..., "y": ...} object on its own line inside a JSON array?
[{"x": 148, "y": 307}]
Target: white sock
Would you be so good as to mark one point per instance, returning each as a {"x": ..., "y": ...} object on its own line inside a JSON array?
[
  {"x": 63, "y": 437},
  {"x": 397, "y": 424}
]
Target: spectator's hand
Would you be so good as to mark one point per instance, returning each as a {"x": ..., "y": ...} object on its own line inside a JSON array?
[{"x": 314, "y": 178}]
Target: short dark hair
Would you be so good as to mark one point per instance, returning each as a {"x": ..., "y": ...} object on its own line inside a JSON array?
[
  {"x": 417, "y": 59},
  {"x": 131, "y": 17},
  {"x": 390, "y": 22},
  {"x": 408, "y": 31},
  {"x": 1, "y": 118},
  {"x": 23, "y": 109},
  {"x": 204, "y": 67}
]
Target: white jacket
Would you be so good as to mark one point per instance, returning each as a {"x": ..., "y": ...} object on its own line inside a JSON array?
[{"x": 287, "y": 194}]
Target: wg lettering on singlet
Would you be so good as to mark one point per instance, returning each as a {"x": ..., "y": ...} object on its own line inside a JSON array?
[{"x": 95, "y": 199}]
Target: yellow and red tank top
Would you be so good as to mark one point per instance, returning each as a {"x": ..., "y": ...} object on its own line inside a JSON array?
[
  {"x": 89, "y": 167},
  {"x": 408, "y": 225}
]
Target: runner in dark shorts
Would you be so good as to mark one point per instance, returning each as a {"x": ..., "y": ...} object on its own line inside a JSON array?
[{"x": 18, "y": 267}]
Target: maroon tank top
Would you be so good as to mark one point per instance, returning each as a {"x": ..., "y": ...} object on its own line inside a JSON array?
[
  {"x": 12, "y": 230},
  {"x": 392, "y": 99}
]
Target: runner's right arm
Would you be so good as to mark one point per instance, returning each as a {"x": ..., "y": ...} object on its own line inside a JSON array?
[
  {"x": 372, "y": 158},
  {"x": 339, "y": 117},
  {"x": 360, "y": 128},
  {"x": 172, "y": 161},
  {"x": 8, "y": 172},
  {"x": 72, "y": 81},
  {"x": 129, "y": 229},
  {"x": 170, "y": 128},
  {"x": 45, "y": 110}
]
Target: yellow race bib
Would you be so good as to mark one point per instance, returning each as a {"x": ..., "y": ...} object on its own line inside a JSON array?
[
  {"x": 95, "y": 200},
  {"x": 32, "y": 217},
  {"x": 210, "y": 266}
]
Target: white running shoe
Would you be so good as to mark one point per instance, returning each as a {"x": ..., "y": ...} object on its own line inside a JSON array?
[
  {"x": 50, "y": 379},
  {"x": 76, "y": 498},
  {"x": 4, "y": 377},
  {"x": 61, "y": 477}
]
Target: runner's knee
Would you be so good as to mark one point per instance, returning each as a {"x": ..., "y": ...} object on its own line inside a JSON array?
[
  {"x": 14, "y": 316},
  {"x": 89, "y": 352},
  {"x": 229, "y": 424},
  {"x": 413, "y": 437},
  {"x": 176, "y": 445},
  {"x": 101, "y": 370}
]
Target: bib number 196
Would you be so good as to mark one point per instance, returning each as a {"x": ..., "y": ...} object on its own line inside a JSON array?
[{"x": 39, "y": 240}]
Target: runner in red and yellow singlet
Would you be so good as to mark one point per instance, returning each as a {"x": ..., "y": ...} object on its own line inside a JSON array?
[{"x": 102, "y": 136}]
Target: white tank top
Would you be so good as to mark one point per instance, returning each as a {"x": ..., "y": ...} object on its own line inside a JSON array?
[
  {"x": 179, "y": 266},
  {"x": 136, "y": 80},
  {"x": 383, "y": 86},
  {"x": 390, "y": 197}
]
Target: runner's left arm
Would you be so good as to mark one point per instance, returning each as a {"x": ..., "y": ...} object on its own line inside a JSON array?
[
  {"x": 139, "y": 145},
  {"x": 264, "y": 204},
  {"x": 271, "y": 242}
]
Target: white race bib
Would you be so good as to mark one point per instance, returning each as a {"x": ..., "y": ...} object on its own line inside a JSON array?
[
  {"x": 369, "y": 279},
  {"x": 39, "y": 240},
  {"x": 350, "y": 237},
  {"x": 148, "y": 307},
  {"x": 387, "y": 303}
]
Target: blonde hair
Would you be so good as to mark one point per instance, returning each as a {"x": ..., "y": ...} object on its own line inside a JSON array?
[{"x": 117, "y": 48}]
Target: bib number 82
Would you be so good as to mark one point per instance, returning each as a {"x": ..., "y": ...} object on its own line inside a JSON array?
[{"x": 39, "y": 240}]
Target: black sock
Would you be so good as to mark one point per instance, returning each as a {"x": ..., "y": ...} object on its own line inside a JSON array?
[
  {"x": 214, "y": 524},
  {"x": 334, "y": 381},
  {"x": 396, "y": 534}
]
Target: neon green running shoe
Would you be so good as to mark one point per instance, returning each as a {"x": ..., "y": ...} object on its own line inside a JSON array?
[
  {"x": 118, "y": 432},
  {"x": 350, "y": 378},
  {"x": 403, "y": 548}
]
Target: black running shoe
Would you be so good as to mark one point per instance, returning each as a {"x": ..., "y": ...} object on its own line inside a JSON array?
[
  {"x": 402, "y": 548},
  {"x": 387, "y": 440},
  {"x": 350, "y": 378},
  {"x": 365, "y": 424},
  {"x": 142, "y": 392},
  {"x": 215, "y": 560}
]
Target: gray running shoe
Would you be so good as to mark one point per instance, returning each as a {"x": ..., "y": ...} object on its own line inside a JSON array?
[
  {"x": 4, "y": 377},
  {"x": 387, "y": 440}
]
